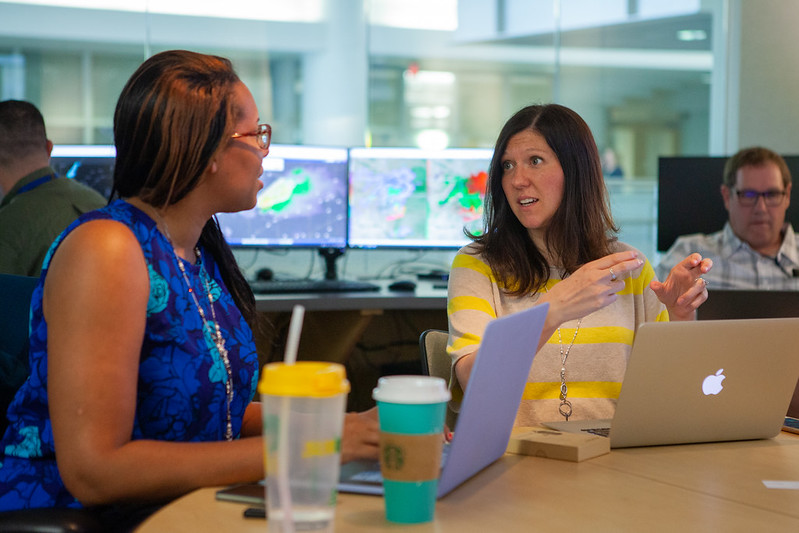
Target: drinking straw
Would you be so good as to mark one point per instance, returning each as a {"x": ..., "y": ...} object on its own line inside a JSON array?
[
  {"x": 295, "y": 328},
  {"x": 292, "y": 343}
]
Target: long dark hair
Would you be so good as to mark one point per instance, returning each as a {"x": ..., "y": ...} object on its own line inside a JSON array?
[
  {"x": 582, "y": 228},
  {"x": 170, "y": 120}
]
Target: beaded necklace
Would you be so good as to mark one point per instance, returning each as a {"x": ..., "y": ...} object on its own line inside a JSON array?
[{"x": 212, "y": 327}]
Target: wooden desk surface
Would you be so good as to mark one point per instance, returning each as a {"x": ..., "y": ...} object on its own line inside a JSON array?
[
  {"x": 704, "y": 487},
  {"x": 426, "y": 296}
]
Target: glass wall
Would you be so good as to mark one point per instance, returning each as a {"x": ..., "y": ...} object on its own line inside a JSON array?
[{"x": 432, "y": 73}]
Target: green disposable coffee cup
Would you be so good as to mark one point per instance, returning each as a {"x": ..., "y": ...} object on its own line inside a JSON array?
[{"x": 411, "y": 410}]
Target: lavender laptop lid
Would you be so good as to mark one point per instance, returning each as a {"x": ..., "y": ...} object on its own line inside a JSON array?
[
  {"x": 492, "y": 397},
  {"x": 489, "y": 406}
]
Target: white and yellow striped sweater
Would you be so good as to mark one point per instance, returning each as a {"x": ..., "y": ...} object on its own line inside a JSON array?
[{"x": 598, "y": 359}]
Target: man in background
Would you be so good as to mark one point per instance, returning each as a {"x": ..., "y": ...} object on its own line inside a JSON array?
[
  {"x": 756, "y": 249},
  {"x": 37, "y": 204}
]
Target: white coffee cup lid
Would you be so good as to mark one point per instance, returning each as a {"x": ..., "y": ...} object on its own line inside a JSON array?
[{"x": 411, "y": 389}]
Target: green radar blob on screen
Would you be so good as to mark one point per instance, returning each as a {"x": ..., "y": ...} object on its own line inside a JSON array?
[{"x": 279, "y": 194}]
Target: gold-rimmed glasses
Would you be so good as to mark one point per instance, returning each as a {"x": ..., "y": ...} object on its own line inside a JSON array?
[{"x": 262, "y": 134}]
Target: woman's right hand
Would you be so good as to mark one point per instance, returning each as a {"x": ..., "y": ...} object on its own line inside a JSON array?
[{"x": 591, "y": 287}]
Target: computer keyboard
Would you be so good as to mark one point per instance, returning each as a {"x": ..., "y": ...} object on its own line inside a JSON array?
[{"x": 311, "y": 285}]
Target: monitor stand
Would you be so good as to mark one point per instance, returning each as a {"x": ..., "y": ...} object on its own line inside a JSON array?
[{"x": 330, "y": 255}]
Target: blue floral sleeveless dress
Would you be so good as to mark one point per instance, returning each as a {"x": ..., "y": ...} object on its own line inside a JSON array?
[{"x": 181, "y": 385}]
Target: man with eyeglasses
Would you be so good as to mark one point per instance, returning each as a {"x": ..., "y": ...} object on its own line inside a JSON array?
[{"x": 756, "y": 249}]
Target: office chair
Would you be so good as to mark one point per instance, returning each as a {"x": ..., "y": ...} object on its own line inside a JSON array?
[
  {"x": 437, "y": 362},
  {"x": 14, "y": 316}
]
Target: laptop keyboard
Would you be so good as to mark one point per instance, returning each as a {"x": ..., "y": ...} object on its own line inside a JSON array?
[
  {"x": 372, "y": 474},
  {"x": 602, "y": 432},
  {"x": 368, "y": 476}
]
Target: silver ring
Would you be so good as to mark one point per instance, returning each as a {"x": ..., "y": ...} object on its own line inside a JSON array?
[
  {"x": 612, "y": 275},
  {"x": 703, "y": 281}
]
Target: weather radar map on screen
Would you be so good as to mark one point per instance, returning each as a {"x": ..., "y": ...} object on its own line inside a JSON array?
[
  {"x": 413, "y": 198},
  {"x": 303, "y": 202},
  {"x": 92, "y": 165}
]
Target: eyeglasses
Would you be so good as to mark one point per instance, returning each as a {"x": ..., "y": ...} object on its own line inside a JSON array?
[
  {"x": 263, "y": 134},
  {"x": 748, "y": 197}
]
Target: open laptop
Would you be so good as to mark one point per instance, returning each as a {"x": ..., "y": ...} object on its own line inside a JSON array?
[
  {"x": 752, "y": 303},
  {"x": 488, "y": 409},
  {"x": 729, "y": 303},
  {"x": 703, "y": 381}
]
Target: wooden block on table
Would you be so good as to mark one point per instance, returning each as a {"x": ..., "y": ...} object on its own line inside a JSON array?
[{"x": 544, "y": 442}]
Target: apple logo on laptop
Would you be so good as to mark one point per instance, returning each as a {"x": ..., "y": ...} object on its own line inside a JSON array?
[{"x": 712, "y": 383}]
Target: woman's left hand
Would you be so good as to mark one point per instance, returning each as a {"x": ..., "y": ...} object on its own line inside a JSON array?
[
  {"x": 684, "y": 289},
  {"x": 361, "y": 436}
]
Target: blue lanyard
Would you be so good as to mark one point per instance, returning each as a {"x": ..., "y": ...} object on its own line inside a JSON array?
[{"x": 35, "y": 183}]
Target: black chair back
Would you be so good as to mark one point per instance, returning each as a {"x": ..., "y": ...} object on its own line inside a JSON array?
[{"x": 15, "y": 300}]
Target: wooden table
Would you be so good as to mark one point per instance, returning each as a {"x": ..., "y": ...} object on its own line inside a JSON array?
[{"x": 703, "y": 487}]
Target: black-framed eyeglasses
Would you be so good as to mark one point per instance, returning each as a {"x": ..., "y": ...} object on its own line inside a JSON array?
[
  {"x": 263, "y": 134},
  {"x": 748, "y": 197}
]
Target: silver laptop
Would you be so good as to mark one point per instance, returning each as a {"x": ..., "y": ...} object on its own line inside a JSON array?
[
  {"x": 703, "y": 381},
  {"x": 488, "y": 409}
]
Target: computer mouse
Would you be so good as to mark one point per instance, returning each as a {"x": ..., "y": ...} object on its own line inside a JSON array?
[
  {"x": 403, "y": 285},
  {"x": 265, "y": 274}
]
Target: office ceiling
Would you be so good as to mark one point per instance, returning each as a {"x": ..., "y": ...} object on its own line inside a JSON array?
[{"x": 651, "y": 34}]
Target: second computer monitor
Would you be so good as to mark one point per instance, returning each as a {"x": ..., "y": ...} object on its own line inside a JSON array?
[
  {"x": 92, "y": 165},
  {"x": 303, "y": 202},
  {"x": 413, "y": 198}
]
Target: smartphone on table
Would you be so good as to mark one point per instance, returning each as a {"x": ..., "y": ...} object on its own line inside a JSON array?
[
  {"x": 252, "y": 493},
  {"x": 791, "y": 424}
]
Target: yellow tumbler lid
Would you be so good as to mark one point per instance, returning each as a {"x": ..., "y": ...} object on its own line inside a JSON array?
[{"x": 304, "y": 378}]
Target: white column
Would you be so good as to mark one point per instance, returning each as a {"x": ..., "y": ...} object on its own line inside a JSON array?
[
  {"x": 335, "y": 106},
  {"x": 12, "y": 76},
  {"x": 759, "y": 77},
  {"x": 723, "y": 79}
]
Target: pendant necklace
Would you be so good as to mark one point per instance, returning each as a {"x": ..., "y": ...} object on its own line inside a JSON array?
[
  {"x": 565, "y": 407},
  {"x": 212, "y": 328}
]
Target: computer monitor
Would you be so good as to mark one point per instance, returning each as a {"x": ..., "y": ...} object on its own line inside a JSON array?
[
  {"x": 414, "y": 198},
  {"x": 92, "y": 165},
  {"x": 689, "y": 197},
  {"x": 303, "y": 202}
]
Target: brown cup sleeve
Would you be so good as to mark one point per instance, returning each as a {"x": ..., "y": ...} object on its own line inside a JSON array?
[{"x": 410, "y": 457}]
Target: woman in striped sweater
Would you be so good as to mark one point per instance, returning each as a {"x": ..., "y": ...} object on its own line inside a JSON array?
[{"x": 548, "y": 236}]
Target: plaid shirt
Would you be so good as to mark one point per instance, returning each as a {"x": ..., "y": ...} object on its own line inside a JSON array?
[{"x": 735, "y": 264}]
